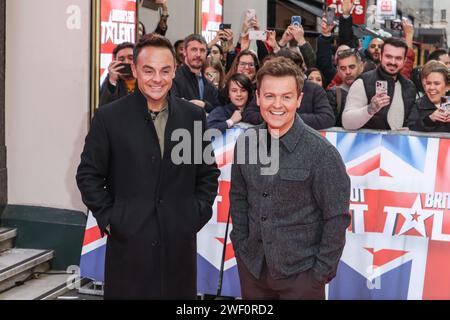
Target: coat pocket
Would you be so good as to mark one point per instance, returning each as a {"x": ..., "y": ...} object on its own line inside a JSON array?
[
  {"x": 292, "y": 184},
  {"x": 116, "y": 220}
]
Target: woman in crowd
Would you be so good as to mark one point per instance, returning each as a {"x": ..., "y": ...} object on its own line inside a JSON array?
[
  {"x": 246, "y": 63},
  {"x": 240, "y": 91},
  {"x": 432, "y": 112},
  {"x": 314, "y": 75}
]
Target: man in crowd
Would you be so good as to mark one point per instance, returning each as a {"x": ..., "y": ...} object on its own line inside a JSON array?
[
  {"x": 189, "y": 83},
  {"x": 288, "y": 227},
  {"x": 349, "y": 67},
  {"x": 385, "y": 108},
  {"x": 150, "y": 206},
  {"x": 373, "y": 51},
  {"x": 440, "y": 55},
  {"x": 120, "y": 81}
]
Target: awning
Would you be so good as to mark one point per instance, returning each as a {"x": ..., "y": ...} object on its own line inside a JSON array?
[{"x": 311, "y": 8}]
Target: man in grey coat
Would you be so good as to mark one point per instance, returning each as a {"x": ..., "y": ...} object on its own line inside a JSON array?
[{"x": 288, "y": 227}]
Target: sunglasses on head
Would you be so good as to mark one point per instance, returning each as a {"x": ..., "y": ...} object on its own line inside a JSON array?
[{"x": 348, "y": 53}]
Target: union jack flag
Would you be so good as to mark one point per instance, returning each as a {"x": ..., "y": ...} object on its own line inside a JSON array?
[{"x": 398, "y": 245}]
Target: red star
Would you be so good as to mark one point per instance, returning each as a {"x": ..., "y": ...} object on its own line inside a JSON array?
[{"x": 415, "y": 217}]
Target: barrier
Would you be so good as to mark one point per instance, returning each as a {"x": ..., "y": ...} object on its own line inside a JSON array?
[{"x": 398, "y": 244}]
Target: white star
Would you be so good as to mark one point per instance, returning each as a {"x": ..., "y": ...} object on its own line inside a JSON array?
[{"x": 415, "y": 217}]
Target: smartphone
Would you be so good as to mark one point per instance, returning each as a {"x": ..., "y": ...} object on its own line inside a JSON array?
[
  {"x": 331, "y": 12},
  {"x": 257, "y": 35},
  {"x": 296, "y": 21},
  {"x": 445, "y": 104},
  {"x": 224, "y": 26},
  {"x": 250, "y": 14},
  {"x": 381, "y": 87},
  {"x": 396, "y": 25},
  {"x": 126, "y": 70}
]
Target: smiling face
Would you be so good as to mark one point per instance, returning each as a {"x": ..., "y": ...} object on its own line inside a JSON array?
[
  {"x": 392, "y": 59},
  {"x": 238, "y": 95},
  {"x": 246, "y": 65},
  {"x": 278, "y": 99},
  {"x": 154, "y": 71},
  {"x": 435, "y": 87},
  {"x": 195, "y": 55}
]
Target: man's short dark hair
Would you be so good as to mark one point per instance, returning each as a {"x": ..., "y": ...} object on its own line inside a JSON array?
[
  {"x": 280, "y": 67},
  {"x": 218, "y": 46},
  {"x": 395, "y": 42},
  {"x": 294, "y": 56},
  {"x": 152, "y": 40},
  {"x": 194, "y": 37},
  {"x": 436, "y": 54},
  {"x": 122, "y": 46},
  {"x": 177, "y": 43}
]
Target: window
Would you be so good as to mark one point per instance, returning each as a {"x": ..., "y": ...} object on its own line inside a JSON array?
[{"x": 443, "y": 15}]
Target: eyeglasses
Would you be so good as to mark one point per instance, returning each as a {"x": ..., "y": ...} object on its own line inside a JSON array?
[{"x": 246, "y": 64}]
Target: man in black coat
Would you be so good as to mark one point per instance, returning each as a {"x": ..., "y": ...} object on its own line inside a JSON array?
[
  {"x": 149, "y": 204},
  {"x": 189, "y": 82}
]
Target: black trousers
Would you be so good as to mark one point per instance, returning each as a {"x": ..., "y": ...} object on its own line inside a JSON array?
[{"x": 302, "y": 286}]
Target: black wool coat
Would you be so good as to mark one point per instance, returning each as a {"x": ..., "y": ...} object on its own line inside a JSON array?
[
  {"x": 185, "y": 85},
  {"x": 154, "y": 207}
]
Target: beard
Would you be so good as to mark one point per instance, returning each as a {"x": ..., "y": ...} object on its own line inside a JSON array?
[{"x": 388, "y": 72}]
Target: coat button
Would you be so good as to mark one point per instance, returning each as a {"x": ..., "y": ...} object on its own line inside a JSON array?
[
  {"x": 153, "y": 159},
  {"x": 265, "y": 195},
  {"x": 263, "y": 218},
  {"x": 155, "y": 243}
]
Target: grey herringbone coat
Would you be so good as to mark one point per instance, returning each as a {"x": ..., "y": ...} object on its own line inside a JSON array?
[{"x": 297, "y": 218}]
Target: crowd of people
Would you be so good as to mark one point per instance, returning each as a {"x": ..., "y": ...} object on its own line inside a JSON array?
[{"x": 341, "y": 83}]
